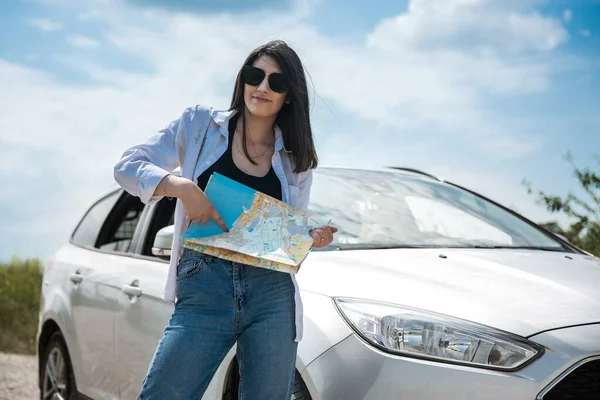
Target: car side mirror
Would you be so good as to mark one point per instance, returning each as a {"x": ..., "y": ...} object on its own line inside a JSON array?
[{"x": 163, "y": 241}]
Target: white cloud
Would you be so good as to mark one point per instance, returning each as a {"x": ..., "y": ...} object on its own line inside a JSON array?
[
  {"x": 417, "y": 86},
  {"x": 567, "y": 15},
  {"x": 479, "y": 27},
  {"x": 83, "y": 42},
  {"x": 585, "y": 33},
  {"x": 44, "y": 24}
]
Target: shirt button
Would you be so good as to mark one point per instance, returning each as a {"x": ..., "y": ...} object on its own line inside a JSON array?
[{"x": 208, "y": 163}]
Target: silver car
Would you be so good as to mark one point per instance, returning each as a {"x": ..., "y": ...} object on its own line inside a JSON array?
[{"x": 430, "y": 291}]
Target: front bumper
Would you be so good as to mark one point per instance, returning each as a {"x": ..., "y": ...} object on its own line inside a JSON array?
[
  {"x": 354, "y": 369},
  {"x": 569, "y": 353}
]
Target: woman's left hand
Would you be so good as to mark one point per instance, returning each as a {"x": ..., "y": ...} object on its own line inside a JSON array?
[{"x": 323, "y": 236}]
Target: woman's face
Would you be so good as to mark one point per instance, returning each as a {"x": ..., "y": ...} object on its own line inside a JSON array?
[{"x": 260, "y": 100}]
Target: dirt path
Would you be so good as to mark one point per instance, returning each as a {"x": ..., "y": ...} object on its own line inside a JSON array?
[{"x": 18, "y": 377}]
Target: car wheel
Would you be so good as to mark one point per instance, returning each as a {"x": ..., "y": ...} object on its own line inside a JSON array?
[
  {"x": 56, "y": 376},
  {"x": 300, "y": 391}
]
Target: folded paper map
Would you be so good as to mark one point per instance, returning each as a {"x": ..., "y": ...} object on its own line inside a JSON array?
[{"x": 263, "y": 231}]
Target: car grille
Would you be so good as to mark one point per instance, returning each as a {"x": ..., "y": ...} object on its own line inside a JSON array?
[{"x": 582, "y": 383}]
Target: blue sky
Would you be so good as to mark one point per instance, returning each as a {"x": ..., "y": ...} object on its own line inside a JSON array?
[{"x": 480, "y": 92}]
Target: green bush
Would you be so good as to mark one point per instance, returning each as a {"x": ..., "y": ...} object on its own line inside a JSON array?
[{"x": 20, "y": 289}]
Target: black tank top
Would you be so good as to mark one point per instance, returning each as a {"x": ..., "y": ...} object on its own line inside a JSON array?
[{"x": 268, "y": 184}]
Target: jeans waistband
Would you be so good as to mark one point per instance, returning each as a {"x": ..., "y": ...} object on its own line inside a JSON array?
[{"x": 195, "y": 253}]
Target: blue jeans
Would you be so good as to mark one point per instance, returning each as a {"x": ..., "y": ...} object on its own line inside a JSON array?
[{"x": 218, "y": 303}]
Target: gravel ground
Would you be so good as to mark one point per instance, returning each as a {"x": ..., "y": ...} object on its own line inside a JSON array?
[{"x": 18, "y": 377}]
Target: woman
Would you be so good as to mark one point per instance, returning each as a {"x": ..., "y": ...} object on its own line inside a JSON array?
[{"x": 264, "y": 141}]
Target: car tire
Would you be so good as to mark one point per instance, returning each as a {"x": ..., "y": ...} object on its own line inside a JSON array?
[
  {"x": 300, "y": 391},
  {"x": 56, "y": 375}
]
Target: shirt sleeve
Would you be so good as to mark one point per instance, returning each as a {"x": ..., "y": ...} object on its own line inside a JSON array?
[
  {"x": 304, "y": 186},
  {"x": 142, "y": 167}
]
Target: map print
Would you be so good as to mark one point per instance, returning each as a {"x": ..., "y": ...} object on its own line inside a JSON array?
[{"x": 266, "y": 233}]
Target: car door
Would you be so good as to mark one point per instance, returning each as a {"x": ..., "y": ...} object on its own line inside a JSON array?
[
  {"x": 93, "y": 281},
  {"x": 140, "y": 314}
]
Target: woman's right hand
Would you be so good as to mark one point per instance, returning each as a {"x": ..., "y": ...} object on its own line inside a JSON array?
[{"x": 196, "y": 204}]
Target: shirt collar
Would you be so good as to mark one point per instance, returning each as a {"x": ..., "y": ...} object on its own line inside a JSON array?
[
  {"x": 222, "y": 119},
  {"x": 279, "y": 140}
]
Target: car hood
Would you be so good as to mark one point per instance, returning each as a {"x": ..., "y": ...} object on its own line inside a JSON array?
[{"x": 520, "y": 291}]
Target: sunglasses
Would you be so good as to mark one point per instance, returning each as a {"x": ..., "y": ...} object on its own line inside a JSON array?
[{"x": 254, "y": 76}]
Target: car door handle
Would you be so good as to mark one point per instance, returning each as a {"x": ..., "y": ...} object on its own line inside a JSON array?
[
  {"x": 76, "y": 277},
  {"x": 132, "y": 290}
]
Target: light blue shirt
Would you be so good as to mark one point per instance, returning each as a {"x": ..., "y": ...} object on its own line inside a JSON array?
[{"x": 142, "y": 167}]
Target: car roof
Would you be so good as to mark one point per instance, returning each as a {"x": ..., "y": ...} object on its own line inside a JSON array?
[{"x": 408, "y": 171}]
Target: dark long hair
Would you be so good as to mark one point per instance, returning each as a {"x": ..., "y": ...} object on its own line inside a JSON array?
[{"x": 293, "y": 118}]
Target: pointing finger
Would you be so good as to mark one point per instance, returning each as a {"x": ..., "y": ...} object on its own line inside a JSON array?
[{"x": 219, "y": 220}]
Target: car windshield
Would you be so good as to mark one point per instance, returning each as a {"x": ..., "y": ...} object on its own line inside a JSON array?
[{"x": 375, "y": 209}]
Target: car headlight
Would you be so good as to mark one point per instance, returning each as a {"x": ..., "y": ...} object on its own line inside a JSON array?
[{"x": 411, "y": 332}]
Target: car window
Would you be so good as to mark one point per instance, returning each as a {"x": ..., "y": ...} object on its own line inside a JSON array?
[
  {"x": 120, "y": 225},
  {"x": 378, "y": 208},
  {"x": 86, "y": 232}
]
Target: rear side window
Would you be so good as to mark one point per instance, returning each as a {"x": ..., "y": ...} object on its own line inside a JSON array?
[
  {"x": 89, "y": 227},
  {"x": 119, "y": 228}
]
